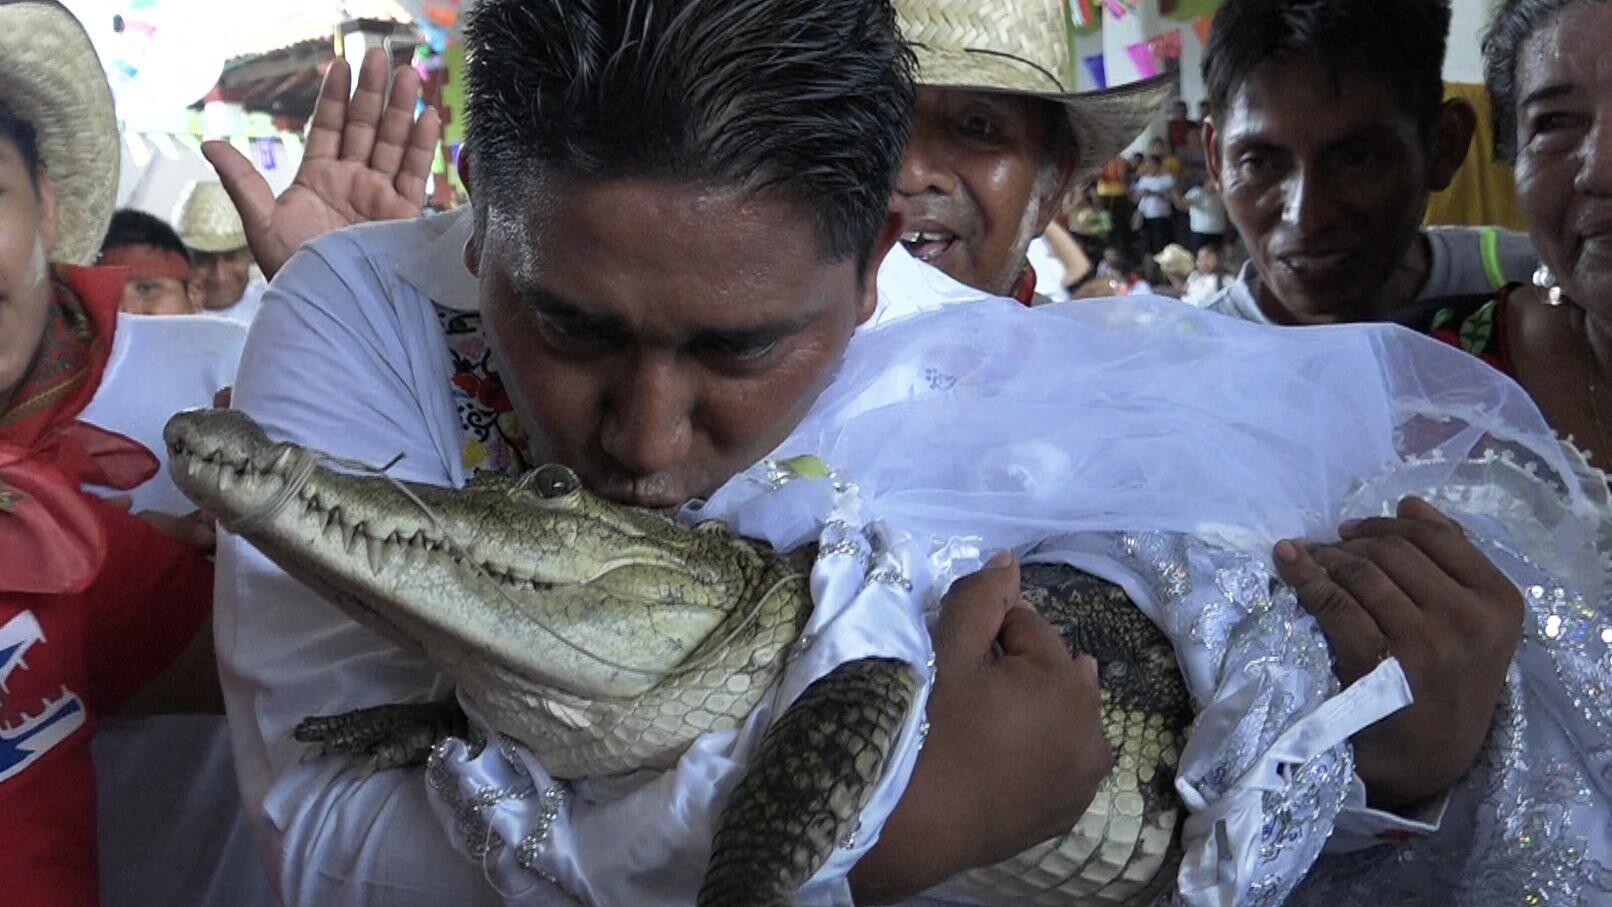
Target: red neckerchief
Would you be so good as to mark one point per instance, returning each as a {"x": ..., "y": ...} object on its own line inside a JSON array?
[
  {"x": 50, "y": 539},
  {"x": 1024, "y": 287}
]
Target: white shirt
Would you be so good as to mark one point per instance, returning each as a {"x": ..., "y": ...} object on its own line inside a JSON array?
[
  {"x": 1202, "y": 287},
  {"x": 348, "y": 356},
  {"x": 245, "y": 309},
  {"x": 1154, "y": 207},
  {"x": 159, "y": 365},
  {"x": 1458, "y": 266},
  {"x": 1050, "y": 272},
  {"x": 1206, "y": 213},
  {"x": 165, "y": 784}
]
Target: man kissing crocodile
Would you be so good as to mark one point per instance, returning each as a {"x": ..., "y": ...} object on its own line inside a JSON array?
[{"x": 657, "y": 364}]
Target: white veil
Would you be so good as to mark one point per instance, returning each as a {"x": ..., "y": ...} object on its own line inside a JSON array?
[
  {"x": 1091, "y": 432},
  {"x": 1167, "y": 450},
  {"x": 1007, "y": 425}
]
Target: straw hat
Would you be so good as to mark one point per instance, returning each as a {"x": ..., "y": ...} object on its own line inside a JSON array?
[
  {"x": 210, "y": 222},
  {"x": 1022, "y": 47},
  {"x": 52, "y": 78},
  {"x": 1176, "y": 261}
]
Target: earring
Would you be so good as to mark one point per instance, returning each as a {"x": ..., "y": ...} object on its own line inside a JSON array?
[{"x": 1546, "y": 281}]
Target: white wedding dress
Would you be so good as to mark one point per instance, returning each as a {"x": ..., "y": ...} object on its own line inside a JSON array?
[{"x": 1164, "y": 449}]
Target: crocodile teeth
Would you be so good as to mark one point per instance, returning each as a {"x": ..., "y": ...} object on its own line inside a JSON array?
[
  {"x": 377, "y": 551},
  {"x": 349, "y": 536}
]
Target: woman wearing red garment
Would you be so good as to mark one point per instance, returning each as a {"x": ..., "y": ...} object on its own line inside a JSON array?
[{"x": 94, "y": 603}]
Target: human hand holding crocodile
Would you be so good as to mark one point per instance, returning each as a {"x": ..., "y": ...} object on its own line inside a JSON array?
[
  {"x": 1416, "y": 588},
  {"x": 1015, "y": 752}
]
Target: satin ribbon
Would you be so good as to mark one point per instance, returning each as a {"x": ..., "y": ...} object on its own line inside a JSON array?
[
  {"x": 51, "y": 541},
  {"x": 1214, "y": 875}
]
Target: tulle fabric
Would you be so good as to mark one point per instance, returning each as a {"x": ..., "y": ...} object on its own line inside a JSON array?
[
  {"x": 1087, "y": 432},
  {"x": 1005, "y": 426},
  {"x": 1161, "y": 447}
]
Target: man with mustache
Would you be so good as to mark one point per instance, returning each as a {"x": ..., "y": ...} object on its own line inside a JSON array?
[{"x": 1328, "y": 133}]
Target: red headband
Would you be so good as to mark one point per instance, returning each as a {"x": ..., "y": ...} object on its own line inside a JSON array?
[{"x": 148, "y": 262}]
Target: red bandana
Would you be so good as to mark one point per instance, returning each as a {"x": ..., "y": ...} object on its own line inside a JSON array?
[
  {"x": 50, "y": 539},
  {"x": 1024, "y": 287},
  {"x": 148, "y": 262}
]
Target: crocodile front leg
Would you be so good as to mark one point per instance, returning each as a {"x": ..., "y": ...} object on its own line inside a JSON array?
[
  {"x": 815, "y": 771},
  {"x": 391, "y": 736}
]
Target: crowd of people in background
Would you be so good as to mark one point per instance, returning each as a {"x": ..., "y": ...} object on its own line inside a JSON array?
[{"x": 1151, "y": 222}]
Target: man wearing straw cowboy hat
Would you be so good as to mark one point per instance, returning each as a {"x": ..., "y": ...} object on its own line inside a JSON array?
[
  {"x": 222, "y": 264},
  {"x": 999, "y": 137}
]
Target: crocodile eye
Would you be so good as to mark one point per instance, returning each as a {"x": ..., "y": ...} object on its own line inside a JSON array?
[{"x": 553, "y": 481}]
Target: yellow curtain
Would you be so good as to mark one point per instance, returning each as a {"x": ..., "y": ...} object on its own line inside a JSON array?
[{"x": 1483, "y": 193}]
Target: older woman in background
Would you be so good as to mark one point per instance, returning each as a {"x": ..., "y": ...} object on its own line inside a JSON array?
[{"x": 1552, "y": 93}]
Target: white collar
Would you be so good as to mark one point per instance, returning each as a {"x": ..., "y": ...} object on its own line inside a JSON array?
[{"x": 437, "y": 269}]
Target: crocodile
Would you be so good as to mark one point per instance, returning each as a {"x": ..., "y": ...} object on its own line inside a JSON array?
[{"x": 606, "y": 639}]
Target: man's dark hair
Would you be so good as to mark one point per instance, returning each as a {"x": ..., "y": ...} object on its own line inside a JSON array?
[
  {"x": 1514, "y": 23},
  {"x": 137, "y": 228},
  {"x": 21, "y": 133},
  {"x": 1401, "y": 42},
  {"x": 810, "y": 100}
]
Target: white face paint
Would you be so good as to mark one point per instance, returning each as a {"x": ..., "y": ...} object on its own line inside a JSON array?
[
  {"x": 1029, "y": 223},
  {"x": 25, "y": 295},
  {"x": 40, "y": 262}
]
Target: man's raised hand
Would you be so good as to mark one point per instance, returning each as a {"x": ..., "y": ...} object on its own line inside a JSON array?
[{"x": 366, "y": 159}]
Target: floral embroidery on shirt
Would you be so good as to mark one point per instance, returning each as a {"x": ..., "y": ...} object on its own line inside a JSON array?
[
  {"x": 494, "y": 440},
  {"x": 1474, "y": 324}
]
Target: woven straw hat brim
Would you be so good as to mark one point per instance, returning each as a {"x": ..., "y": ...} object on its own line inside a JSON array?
[
  {"x": 213, "y": 245},
  {"x": 216, "y": 243},
  {"x": 1176, "y": 260},
  {"x": 209, "y": 222},
  {"x": 52, "y": 78},
  {"x": 1105, "y": 122}
]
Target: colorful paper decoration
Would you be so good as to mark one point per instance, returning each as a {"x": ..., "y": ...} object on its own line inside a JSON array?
[
  {"x": 1118, "y": 8},
  {"x": 1202, "y": 26},
  {"x": 442, "y": 15},
  {"x": 1098, "y": 70},
  {"x": 268, "y": 154},
  {"x": 1146, "y": 65},
  {"x": 1081, "y": 14}
]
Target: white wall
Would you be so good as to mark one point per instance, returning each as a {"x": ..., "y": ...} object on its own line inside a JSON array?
[{"x": 1464, "y": 61}]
